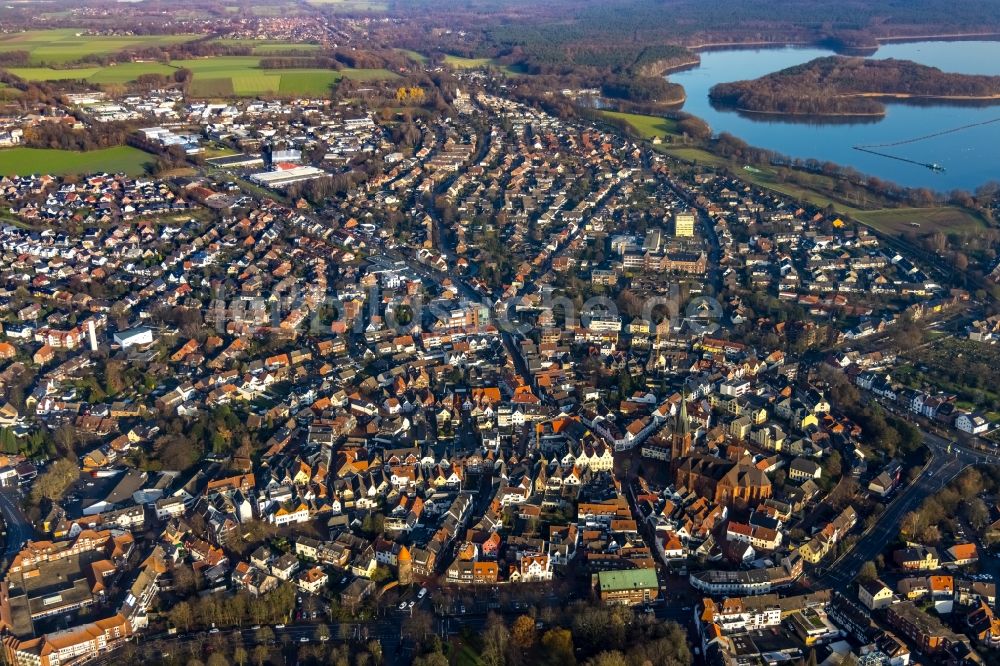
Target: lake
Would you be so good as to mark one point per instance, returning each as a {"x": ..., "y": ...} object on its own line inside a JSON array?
[{"x": 970, "y": 157}]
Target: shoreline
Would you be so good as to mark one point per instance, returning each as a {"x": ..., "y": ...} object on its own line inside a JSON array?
[
  {"x": 862, "y": 114},
  {"x": 820, "y": 43}
]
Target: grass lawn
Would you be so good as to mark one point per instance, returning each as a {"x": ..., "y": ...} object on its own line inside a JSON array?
[
  {"x": 226, "y": 76},
  {"x": 647, "y": 127},
  {"x": 65, "y": 45},
  {"x": 27, "y": 161}
]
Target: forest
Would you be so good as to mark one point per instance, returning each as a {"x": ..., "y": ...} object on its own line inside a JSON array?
[
  {"x": 837, "y": 85},
  {"x": 648, "y": 35}
]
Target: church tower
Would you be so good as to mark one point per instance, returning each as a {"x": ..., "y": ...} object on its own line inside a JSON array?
[{"x": 680, "y": 441}]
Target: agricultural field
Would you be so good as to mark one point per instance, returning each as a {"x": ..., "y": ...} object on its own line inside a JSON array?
[
  {"x": 264, "y": 47},
  {"x": 27, "y": 161},
  {"x": 64, "y": 45},
  {"x": 214, "y": 77},
  {"x": 648, "y": 127}
]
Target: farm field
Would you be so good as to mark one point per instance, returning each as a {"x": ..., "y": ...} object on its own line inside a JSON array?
[
  {"x": 268, "y": 47},
  {"x": 214, "y": 77},
  {"x": 27, "y": 161},
  {"x": 65, "y": 45}
]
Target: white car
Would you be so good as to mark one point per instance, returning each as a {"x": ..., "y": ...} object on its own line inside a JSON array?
[
  {"x": 402, "y": 605},
  {"x": 422, "y": 593}
]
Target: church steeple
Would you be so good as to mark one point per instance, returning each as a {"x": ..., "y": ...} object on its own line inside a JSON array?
[
  {"x": 683, "y": 424},
  {"x": 680, "y": 441}
]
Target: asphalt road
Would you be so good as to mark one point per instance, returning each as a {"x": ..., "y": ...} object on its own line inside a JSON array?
[
  {"x": 939, "y": 471},
  {"x": 19, "y": 529}
]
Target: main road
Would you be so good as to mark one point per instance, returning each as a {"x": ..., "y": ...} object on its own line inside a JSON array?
[{"x": 946, "y": 462}]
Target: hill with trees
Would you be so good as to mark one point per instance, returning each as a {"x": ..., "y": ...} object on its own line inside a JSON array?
[{"x": 837, "y": 85}]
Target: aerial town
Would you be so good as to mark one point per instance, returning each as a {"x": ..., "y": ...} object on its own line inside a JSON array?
[{"x": 424, "y": 368}]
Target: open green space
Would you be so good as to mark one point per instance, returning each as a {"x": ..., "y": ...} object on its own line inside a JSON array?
[
  {"x": 27, "y": 161},
  {"x": 215, "y": 77},
  {"x": 696, "y": 155},
  {"x": 648, "y": 127},
  {"x": 413, "y": 55},
  {"x": 947, "y": 219},
  {"x": 459, "y": 62},
  {"x": 65, "y": 45}
]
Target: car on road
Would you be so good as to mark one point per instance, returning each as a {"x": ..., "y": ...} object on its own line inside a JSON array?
[
  {"x": 422, "y": 593},
  {"x": 279, "y": 626},
  {"x": 402, "y": 605},
  {"x": 411, "y": 604},
  {"x": 304, "y": 639},
  {"x": 214, "y": 630}
]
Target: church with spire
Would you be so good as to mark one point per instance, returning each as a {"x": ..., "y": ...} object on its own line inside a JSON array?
[{"x": 680, "y": 440}]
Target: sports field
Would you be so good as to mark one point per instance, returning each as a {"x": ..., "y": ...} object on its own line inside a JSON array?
[
  {"x": 215, "y": 77},
  {"x": 27, "y": 161},
  {"x": 66, "y": 44}
]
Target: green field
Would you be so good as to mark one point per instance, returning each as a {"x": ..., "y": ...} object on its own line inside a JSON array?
[
  {"x": 65, "y": 45},
  {"x": 696, "y": 155},
  {"x": 268, "y": 47},
  {"x": 648, "y": 127},
  {"x": 215, "y": 77},
  {"x": 27, "y": 161},
  {"x": 948, "y": 219}
]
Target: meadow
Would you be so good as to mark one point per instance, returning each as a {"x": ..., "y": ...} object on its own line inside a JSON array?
[
  {"x": 214, "y": 77},
  {"x": 27, "y": 161},
  {"x": 648, "y": 127},
  {"x": 65, "y": 45}
]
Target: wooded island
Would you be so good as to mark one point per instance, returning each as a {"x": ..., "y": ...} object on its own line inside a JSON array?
[{"x": 838, "y": 85}]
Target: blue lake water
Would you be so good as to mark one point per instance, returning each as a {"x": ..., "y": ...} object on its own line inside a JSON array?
[{"x": 970, "y": 157}]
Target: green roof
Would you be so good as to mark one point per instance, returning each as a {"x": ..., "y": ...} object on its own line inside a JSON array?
[{"x": 627, "y": 579}]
